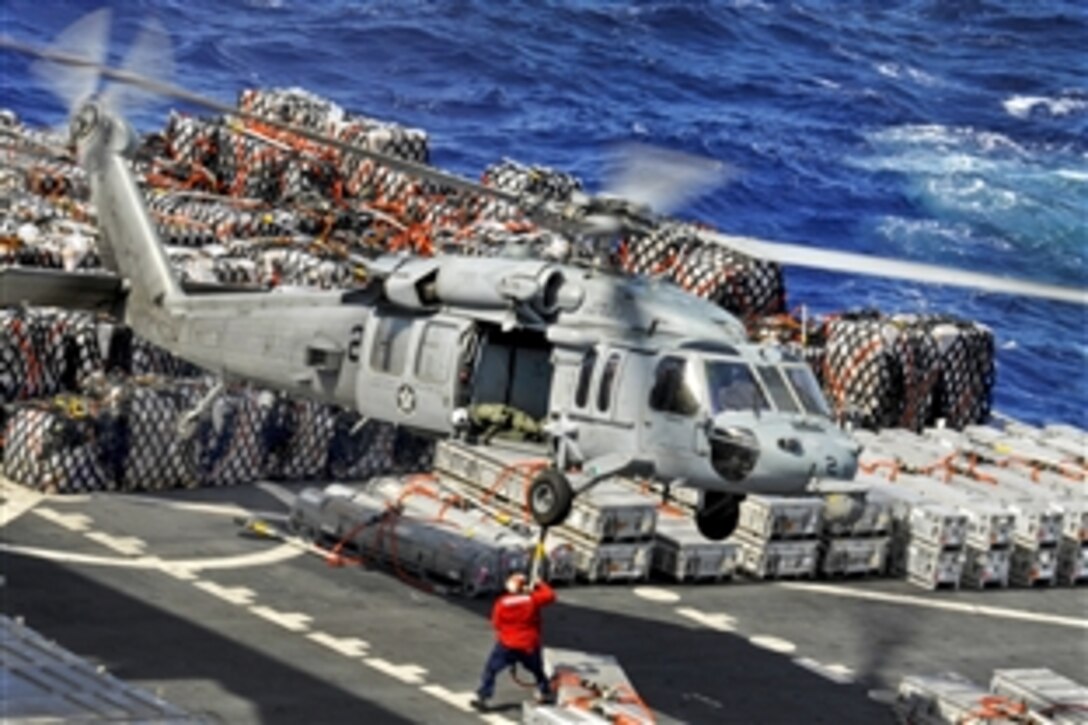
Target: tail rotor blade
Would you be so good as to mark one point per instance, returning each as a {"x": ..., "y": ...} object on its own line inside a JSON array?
[{"x": 86, "y": 38}]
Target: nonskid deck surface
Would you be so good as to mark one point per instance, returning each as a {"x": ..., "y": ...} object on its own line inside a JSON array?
[{"x": 164, "y": 593}]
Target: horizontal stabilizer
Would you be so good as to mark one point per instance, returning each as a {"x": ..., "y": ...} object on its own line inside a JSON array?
[{"x": 81, "y": 291}]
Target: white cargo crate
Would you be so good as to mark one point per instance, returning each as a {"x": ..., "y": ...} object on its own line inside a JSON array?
[
  {"x": 862, "y": 555},
  {"x": 610, "y": 561},
  {"x": 779, "y": 517},
  {"x": 1038, "y": 525},
  {"x": 610, "y": 511},
  {"x": 875, "y": 519},
  {"x": 1072, "y": 562},
  {"x": 1075, "y": 521},
  {"x": 986, "y": 567},
  {"x": 940, "y": 700},
  {"x": 596, "y": 684},
  {"x": 920, "y": 518},
  {"x": 534, "y": 714},
  {"x": 926, "y": 565},
  {"x": 776, "y": 558},
  {"x": 684, "y": 554},
  {"x": 1053, "y": 696},
  {"x": 989, "y": 522},
  {"x": 1033, "y": 565},
  {"x": 937, "y": 524}
]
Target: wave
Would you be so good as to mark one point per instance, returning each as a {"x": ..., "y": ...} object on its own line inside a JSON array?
[{"x": 1026, "y": 106}]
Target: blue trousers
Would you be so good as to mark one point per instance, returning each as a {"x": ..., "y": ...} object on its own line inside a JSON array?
[{"x": 503, "y": 657}]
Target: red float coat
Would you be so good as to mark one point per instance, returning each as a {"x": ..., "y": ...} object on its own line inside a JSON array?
[{"x": 516, "y": 617}]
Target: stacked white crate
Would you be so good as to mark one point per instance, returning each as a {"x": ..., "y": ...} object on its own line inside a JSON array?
[
  {"x": 684, "y": 554},
  {"x": 990, "y": 524},
  {"x": 928, "y": 536},
  {"x": 1053, "y": 459},
  {"x": 941, "y": 700},
  {"x": 1037, "y": 695},
  {"x": 420, "y": 536},
  {"x": 1053, "y": 698},
  {"x": 590, "y": 689},
  {"x": 860, "y": 545},
  {"x": 778, "y": 537},
  {"x": 1039, "y": 517},
  {"x": 609, "y": 532}
]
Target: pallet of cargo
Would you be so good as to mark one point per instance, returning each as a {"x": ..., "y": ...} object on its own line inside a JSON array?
[
  {"x": 610, "y": 511},
  {"x": 859, "y": 556},
  {"x": 1032, "y": 566},
  {"x": 874, "y": 519},
  {"x": 42, "y": 683},
  {"x": 984, "y": 568},
  {"x": 928, "y": 566},
  {"x": 683, "y": 554},
  {"x": 609, "y": 561},
  {"x": 780, "y": 517},
  {"x": 1053, "y": 697},
  {"x": 560, "y": 564},
  {"x": 776, "y": 559},
  {"x": 589, "y": 688},
  {"x": 921, "y": 519},
  {"x": 365, "y": 524},
  {"x": 951, "y": 699},
  {"x": 1072, "y": 562}
]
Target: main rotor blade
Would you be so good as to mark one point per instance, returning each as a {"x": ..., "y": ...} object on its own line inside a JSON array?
[
  {"x": 659, "y": 178},
  {"x": 87, "y": 37},
  {"x": 850, "y": 263},
  {"x": 150, "y": 56},
  {"x": 163, "y": 88}
]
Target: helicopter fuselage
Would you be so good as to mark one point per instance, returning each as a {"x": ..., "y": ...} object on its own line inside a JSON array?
[{"x": 613, "y": 366}]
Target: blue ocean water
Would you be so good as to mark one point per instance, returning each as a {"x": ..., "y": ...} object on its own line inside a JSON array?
[{"x": 944, "y": 131}]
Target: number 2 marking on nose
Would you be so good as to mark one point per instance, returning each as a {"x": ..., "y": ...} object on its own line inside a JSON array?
[{"x": 832, "y": 465}]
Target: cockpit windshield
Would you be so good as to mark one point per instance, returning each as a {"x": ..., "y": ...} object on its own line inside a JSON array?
[
  {"x": 733, "y": 387},
  {"x": 808, "y": 390},
  {"x": 778, "y": 388}
]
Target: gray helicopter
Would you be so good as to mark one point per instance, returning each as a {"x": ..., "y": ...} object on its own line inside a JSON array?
[{"x": 624, "y": 375}]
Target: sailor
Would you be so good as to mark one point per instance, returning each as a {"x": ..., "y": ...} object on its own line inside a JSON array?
[{"x": 516, "y": 619}]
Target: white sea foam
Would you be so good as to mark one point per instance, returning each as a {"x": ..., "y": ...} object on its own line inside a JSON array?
[
  {"x": 900, "y": 71},
  {"x": 1024, "y": 106}
]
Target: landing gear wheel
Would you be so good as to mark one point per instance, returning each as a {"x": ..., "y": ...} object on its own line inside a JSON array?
[
  {"x": 719, "y": 515},
  {"x": 550, "y": 497}
]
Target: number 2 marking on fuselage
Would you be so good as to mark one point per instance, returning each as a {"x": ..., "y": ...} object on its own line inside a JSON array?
[{"x": 354, "y": 342}]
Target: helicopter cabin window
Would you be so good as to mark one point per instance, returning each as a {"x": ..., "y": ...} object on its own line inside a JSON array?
[
  {"x": 672, "y": 391},
  {"x": 390, "y": 348},
  {"x": 779, "y": 390},
  {"x": 437, "y": 347},
  {"x": 733, "y": 387},
  {"x": 585, "y": 376},
  {"x": 808, "y": 390},
  {"x": 608, "y": 377}
]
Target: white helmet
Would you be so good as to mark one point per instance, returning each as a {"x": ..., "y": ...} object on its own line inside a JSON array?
[{"x": 515, "y": 583}]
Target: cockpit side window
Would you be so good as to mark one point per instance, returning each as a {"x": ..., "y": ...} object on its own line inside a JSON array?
[
  {"x": 808, "y": 390},
  {"x": 733, "y": 387},
  {"x": 608, "y": 377},
  {"x": 585, "y": 377},
  {"x": 672, "y": 391},
  {"x": 776, "y": 386}
]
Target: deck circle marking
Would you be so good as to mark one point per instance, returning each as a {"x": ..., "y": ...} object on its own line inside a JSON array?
[{"x": 656, "y": 594}]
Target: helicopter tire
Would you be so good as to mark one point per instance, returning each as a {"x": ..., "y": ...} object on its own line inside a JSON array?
[
  {"x": 550, "y": 497},
  {"x": 719, "y": 515}
]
